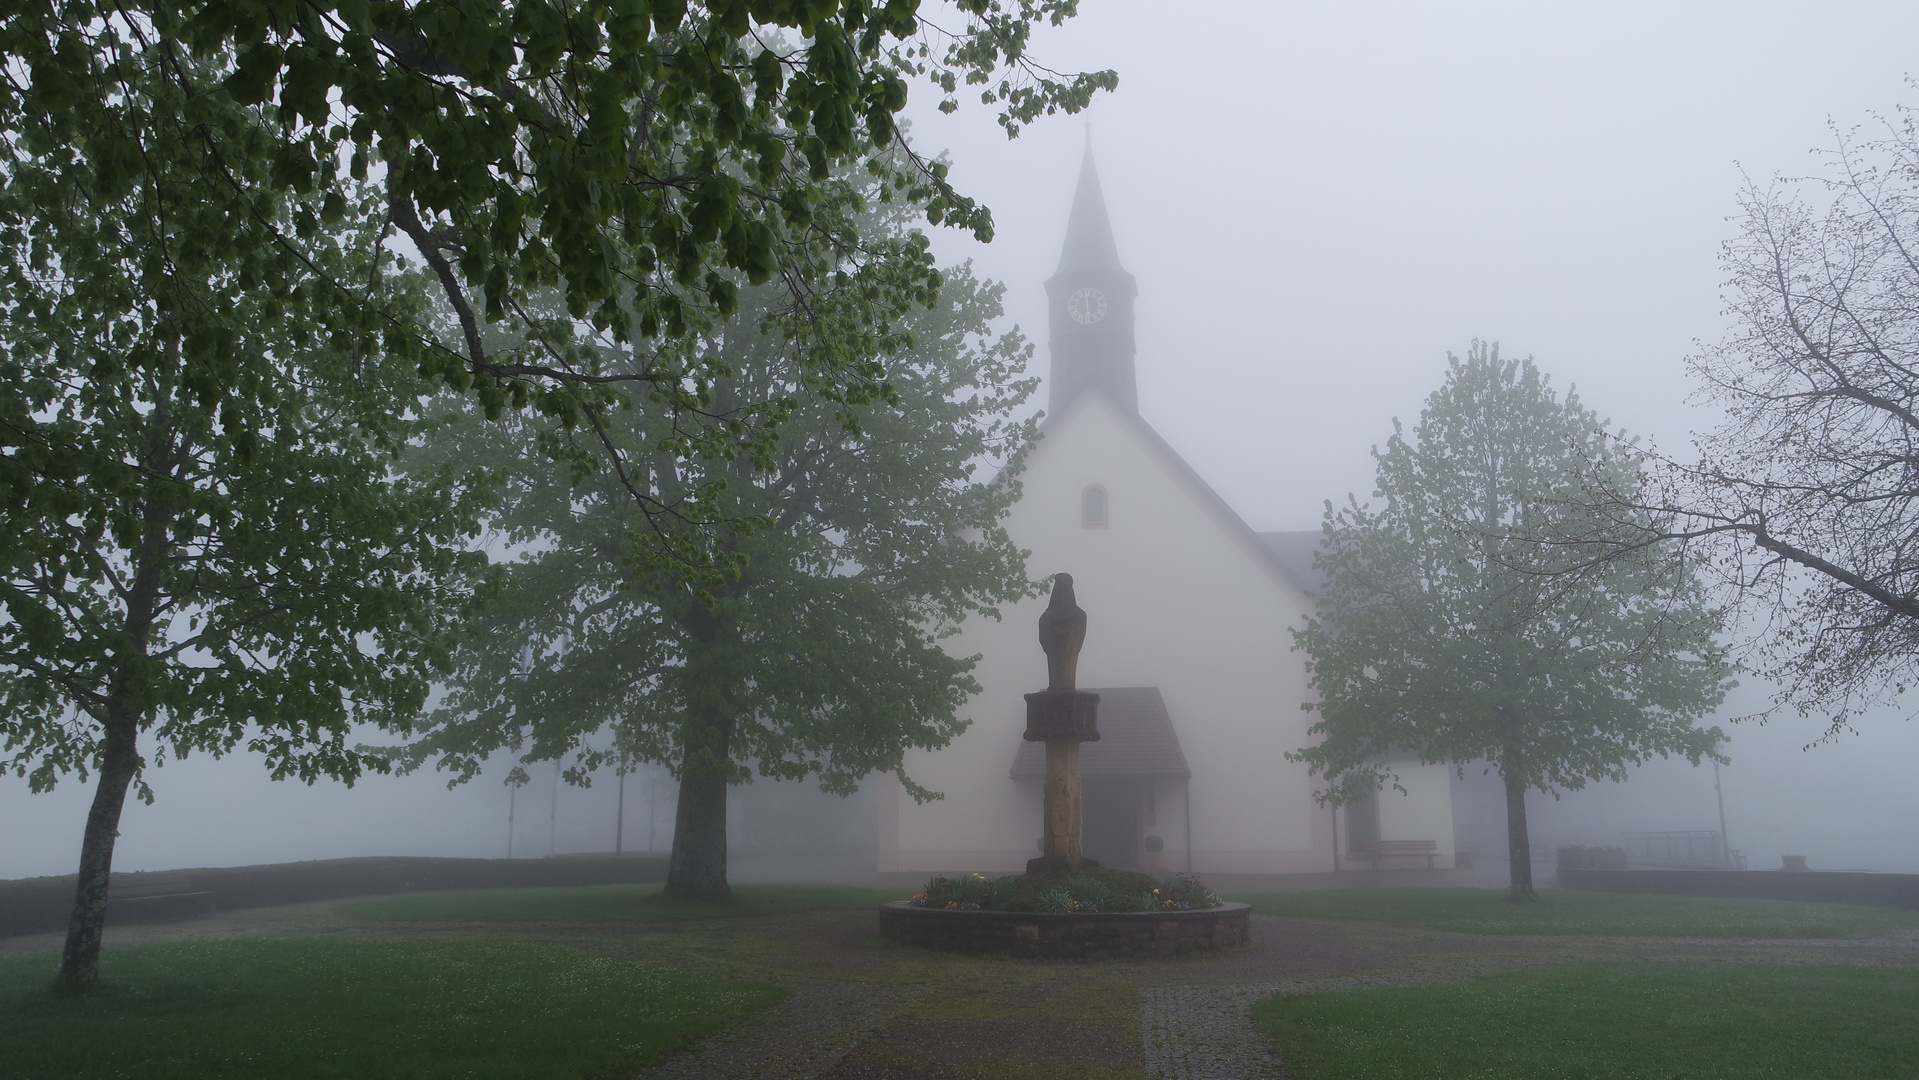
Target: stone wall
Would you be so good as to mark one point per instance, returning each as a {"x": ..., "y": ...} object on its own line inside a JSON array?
[
  {"x": 1831, "y": 886},
  {"x": 1087, "y": 936},
  {"x": 43, "y": 905}
]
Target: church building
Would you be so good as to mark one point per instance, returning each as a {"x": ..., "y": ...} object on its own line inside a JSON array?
[{"x": 1187, "y": 645}]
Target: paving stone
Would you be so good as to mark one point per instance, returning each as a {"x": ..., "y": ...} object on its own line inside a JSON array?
[
  {"x": 915, "y": 1048},
  {"x": 1206, "y": 1033},
  {"x": 801, "y": 1037}
]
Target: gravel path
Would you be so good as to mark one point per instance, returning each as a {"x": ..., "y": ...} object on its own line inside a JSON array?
[{"x": 800, "y": 1038}]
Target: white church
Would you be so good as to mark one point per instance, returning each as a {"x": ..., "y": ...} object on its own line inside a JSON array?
[{"x": 1187, "y": 645}]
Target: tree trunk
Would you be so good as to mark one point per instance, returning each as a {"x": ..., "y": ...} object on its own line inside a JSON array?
[
  {"x": 121, "y": 716},
  {"x": 120, "y": 759},
  {"x": 696, "y": 870},
  {"x": 1518, "y": 844}
]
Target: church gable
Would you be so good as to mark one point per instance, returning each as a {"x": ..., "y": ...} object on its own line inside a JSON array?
[{"x": 1100, "y": 468}]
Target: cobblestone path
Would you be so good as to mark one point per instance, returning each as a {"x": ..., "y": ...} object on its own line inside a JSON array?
[
  {"x": 1205, "y": 1033},
  {"x": 798, "y": 1039}
]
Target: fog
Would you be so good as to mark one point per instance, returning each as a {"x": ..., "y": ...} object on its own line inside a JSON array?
[{"x": 1319, "y": 202}]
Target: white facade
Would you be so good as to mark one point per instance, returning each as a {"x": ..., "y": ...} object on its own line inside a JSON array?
[
  {"x": 1188, "y": 630},
  {"x": 1180, "y": 595}
]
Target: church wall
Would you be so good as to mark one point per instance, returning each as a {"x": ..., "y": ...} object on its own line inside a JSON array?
[
  {"x": 1423, "y": 812},
  {"x": 1176, "y": 598},
  {"x": 986, "y": 821}
]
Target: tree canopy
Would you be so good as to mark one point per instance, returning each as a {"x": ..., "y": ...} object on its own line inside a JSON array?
[
  {"x": 1452, "y": 630},
  {"x": 214, "y": 343},
  {"x": 643, "y": 159},
  {"x": 822, "y": 657}
]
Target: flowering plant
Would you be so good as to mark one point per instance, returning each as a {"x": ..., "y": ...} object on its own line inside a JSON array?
[
  {"x": 1185, "y": 892},
  {"x": 967, "y": 892},
  {"x": 1062, "y": 901}
]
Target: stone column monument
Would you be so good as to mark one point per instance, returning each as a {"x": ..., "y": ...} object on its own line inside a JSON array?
[{"x": 1062, "y": 717}]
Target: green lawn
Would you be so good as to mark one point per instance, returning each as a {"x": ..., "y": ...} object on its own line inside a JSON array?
[
  {"x": 609, "y": 903},
  {"x": 1645, "y": 1021},
  {"x": 1575, "y": 911},
  {"x": 308, "y": 1009}
]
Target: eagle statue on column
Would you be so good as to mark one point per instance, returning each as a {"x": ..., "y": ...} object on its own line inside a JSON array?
[{"x": 1062, "y": 630}]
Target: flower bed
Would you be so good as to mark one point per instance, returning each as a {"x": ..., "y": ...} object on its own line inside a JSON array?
[{"x": 1088, "y": 890}]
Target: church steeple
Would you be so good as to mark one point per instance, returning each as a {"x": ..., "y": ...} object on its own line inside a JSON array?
[{"x": 1091, "y": 313}]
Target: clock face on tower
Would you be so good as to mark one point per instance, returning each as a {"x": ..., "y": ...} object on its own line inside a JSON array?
[{"x": 1087, "y": 306}]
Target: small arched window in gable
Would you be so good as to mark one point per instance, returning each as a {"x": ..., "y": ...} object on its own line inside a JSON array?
[{"x": 1092, "y": 507}]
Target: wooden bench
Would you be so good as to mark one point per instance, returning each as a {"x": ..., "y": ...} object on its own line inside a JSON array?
[
  {"x": 144, "y": 898},
  {"x": 1399, "y": 849}
]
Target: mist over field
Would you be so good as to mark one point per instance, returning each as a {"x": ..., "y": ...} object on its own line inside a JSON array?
[
  {"x": 1319, "y": 203},
  {"x": 1844, "y": 805}
]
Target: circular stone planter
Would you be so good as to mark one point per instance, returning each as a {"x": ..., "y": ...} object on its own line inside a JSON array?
[{"x": 1084, "y": 935}]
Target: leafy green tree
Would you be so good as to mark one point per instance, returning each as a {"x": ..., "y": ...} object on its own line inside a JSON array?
[
  {"x": 205, "y": 545},
  {"x": 822, "y": 655},
  {"x": 208, "y": 362},
  {"x": 643, "y": 159},
  {"x": 1467, "y": 618}
]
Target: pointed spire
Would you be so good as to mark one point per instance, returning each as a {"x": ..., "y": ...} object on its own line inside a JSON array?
[
  {"x": 1089, "y": 235},
  {"x": 1091, "y": 306}
]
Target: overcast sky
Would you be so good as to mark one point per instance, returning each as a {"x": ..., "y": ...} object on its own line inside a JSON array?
[{"x": 1319, "y": 202}]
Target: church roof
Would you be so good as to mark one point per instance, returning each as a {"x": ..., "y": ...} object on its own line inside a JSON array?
[
  {"x": 1295, "y": 550},
  {"x": 1136, "y": 738},
  {"x": 1089, "y": 235}
]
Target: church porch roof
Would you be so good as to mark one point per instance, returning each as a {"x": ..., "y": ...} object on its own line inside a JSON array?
[{"x": 1136, "y": 738}]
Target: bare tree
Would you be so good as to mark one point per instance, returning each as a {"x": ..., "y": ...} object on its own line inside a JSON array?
[{"x": 1812, "y": 478}]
